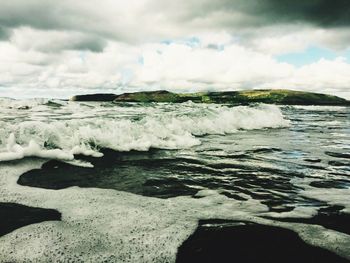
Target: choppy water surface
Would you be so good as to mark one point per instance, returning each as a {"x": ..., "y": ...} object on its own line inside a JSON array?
[{"x": 285, "y": 166}]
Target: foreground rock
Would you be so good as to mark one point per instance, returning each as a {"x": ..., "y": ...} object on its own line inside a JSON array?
[
  {"x": 282, "y": 97},
  {"x": 247, "y": 242},
  {"x": 13, "y": 216}
]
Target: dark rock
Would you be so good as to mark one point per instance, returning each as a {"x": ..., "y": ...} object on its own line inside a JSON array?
[
  {"x": 13, "y": 216},
  {"x": 216, "y": 241}
]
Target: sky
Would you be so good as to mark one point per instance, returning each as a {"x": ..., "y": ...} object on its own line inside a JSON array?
[{"x": 63, "y": 48}]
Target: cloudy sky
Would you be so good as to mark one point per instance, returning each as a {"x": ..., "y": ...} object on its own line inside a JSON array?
[{"x": 61, "y": 48}]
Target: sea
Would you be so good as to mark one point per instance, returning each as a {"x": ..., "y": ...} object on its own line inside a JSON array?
[{"x": 134, "y": 182}]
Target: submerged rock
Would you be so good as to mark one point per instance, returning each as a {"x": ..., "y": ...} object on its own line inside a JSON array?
[{"x": 278, "y": 96}]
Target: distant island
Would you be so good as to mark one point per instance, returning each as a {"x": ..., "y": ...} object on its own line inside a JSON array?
[{"x": 269, "y": 96}]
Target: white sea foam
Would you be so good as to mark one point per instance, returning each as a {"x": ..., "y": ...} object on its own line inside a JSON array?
[
  {"x": 107, "y": 225},
  {"x": 99, "y": 224},
  {"x": 320, "y": 108},
  {"x": 297, "y": 212},
  {"x": 332, "y": 196},
  {"x": 61, "y": 139},
  {"x": 16, "y": 151}
]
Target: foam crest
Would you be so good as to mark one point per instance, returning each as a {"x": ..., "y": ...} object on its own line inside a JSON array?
[
  {"x": 16, "y": 151},
  {"x": 61, "y": 139},
  {"x": 321, "y": 108}
]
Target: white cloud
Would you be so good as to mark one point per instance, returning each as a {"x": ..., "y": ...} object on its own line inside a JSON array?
[
  {"x": 113, "y": 46},
  {"x": 289, "y": 39},
  {"x": 204, "y": 68},
  {"x": 329, "y": 76},
  {"x": 178, "y": 66}
]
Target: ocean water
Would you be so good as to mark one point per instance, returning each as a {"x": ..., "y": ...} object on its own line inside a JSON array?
[{"x": 132, "y": 181}]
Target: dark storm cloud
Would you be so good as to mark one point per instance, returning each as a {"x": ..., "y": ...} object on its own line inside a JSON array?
[
  {"x": 34, "y": 13},
  {"x": 49, "y": 41},
  {"x": 324, "y": 13},
  {"x": 157, "y": 19},
  {"x": 49, "y": 16},
  {"x": 54, "y": 15}
]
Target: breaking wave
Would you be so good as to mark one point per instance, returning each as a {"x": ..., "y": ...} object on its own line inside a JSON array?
[{"x": 62, "y": 139}]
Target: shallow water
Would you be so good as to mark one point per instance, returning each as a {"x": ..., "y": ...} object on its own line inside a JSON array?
[{"x": 172, "y": 165}]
